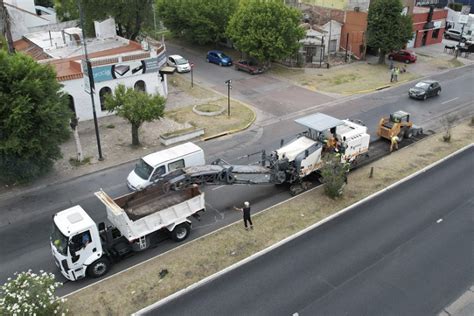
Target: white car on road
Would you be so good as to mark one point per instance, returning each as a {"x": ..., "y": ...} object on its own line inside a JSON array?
[{"x": 180, "y": 63}]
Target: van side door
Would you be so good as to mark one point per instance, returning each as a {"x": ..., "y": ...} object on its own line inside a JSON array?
[{"x": 178, "y": 164}]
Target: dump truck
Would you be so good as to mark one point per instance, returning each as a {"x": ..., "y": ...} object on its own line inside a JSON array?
[
  {"x": 138, "y": 220},
  {"x": 398, "y": 124}
]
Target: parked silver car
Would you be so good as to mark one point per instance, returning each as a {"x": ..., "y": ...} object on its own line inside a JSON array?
[{"x": 456, "y": 35}]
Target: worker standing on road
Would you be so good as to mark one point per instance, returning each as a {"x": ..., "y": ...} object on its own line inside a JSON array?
[
  {"x": 246, "y": 213},
  {"x": 392, "y": 74},
  {"x": 394, "y": 143}
]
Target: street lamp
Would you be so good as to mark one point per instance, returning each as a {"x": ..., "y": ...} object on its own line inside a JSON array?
[
  {"x": 91, "y": 80},
  {"x": 229, "y": 86}
]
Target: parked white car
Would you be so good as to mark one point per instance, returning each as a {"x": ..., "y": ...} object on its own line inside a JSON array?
[{"x": 180, "y": 63}]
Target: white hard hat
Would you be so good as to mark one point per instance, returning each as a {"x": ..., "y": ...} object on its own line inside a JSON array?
[{"x": 246, "y": 203}]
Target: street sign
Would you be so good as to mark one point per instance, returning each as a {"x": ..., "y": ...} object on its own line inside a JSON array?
[
  {"x": 463, "y": 19},
  {"x": 88, "y": 77}
]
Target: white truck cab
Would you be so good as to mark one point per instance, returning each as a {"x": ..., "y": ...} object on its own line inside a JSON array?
[
  {"x": 75, "y": 242},
  {"x": 152, "y": 167}
]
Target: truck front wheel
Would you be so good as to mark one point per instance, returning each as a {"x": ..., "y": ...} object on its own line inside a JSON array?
[
  {"x": 98, "y": 268},
  {"x": 181, "y": 232}
]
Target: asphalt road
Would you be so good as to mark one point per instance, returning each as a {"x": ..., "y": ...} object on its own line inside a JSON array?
[
  {"x": 25, "y": 219},
  {"x": 408, "y": 251}
]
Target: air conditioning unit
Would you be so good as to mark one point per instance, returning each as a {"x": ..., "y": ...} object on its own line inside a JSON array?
[{"x": 356, "y": 9}]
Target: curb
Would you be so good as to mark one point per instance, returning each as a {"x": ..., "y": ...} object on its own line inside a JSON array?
[
  {"x": 9, "y": 194},
  {"x": 233, "y": 131},
  {"x": 378, "y": 88},
  {"x": 296, "y": 235}
]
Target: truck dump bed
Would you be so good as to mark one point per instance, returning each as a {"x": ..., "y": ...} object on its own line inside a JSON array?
[
  {"x": 143, "y": 203},
  {"x": 140, "y": 213}
]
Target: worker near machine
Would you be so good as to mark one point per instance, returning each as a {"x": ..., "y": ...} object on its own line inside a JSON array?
[
  {"x": 394, "y": 143},
  {"x": 246, "y": 214}
]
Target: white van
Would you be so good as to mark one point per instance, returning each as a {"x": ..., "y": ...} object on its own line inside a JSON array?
[{"x": 153, "y": 166}]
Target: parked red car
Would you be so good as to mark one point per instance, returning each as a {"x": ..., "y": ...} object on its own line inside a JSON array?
[
  {"x": 406, "y": 56},
  {"x": 248, "y": 66}
]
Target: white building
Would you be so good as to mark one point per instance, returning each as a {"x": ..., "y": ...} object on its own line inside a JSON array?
[
  {"x": 115, "y": 60},
  {"x": 453, "y": 20},
  {"x": 25, "y": 16},
  {"x": 318, "y": 38}
]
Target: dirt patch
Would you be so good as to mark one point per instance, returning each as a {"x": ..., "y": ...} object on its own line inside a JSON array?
[
  {"x": 345, "y": 79},
  {"x": 142, "y": 285}
]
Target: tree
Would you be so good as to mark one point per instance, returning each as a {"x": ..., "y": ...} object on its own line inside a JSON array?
[
  {"x": 333, "y": 175},
  {"x": 34, "y": 118},
  {"x": 387, "y": 28},
  {"x": 205, "y": 21},
  {"x": 135, "y": 106},
  {"x": 130, "y": 15},
  {"x": 266, "y": 30},
  {"x": 5, "y": 26},
  {"x": 31, "y": 294}
]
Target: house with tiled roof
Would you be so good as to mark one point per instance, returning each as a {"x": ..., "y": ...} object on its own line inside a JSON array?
[{"x": 114, "y": 60}]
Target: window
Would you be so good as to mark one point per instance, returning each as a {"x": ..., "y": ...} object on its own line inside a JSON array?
[
  {"x": 158, "y": 172},
  {"x": 140, "y": 86},
  {"x": 435, "y": 33},
  {"x": 102, "y": 93},
  {"x": 143, "y": 170},
  {"x": 176, "y": 165},
  {"x": 333, "y": 46},
  {"x": 79, "y": 242}
]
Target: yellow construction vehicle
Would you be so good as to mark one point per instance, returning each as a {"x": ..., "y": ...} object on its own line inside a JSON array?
[{"x": 398, "y": 124}]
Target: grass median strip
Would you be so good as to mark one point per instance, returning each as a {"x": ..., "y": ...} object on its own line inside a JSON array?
[
  {"x": 142, "y": 285},
  {"x": 240, "y": 117},
  {"x": 346, "y": 79}
]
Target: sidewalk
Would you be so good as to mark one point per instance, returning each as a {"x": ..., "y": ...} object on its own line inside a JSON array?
[
  {"x": 463, "y": 306},
  {"x": 359, "y": 77},
  {"x": 116, "y": 139}
]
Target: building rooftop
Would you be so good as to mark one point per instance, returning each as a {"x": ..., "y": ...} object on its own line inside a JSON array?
[
  {"x": 419, "y": 10},
  {"x": 64, "y": 51}
]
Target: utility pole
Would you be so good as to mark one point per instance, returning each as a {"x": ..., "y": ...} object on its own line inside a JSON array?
[
  {"x": 5, "y": 26},
  {"x": 229, "y": 86},
  {"x": 91, "y": 80}
]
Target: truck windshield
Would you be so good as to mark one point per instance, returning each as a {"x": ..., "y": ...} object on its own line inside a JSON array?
[
  {"x": 143, "y": 170},
  {"x": 59, "y": 240}
]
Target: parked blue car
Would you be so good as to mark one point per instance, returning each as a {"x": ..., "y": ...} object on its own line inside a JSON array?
[{"x": 219, "y": 58}]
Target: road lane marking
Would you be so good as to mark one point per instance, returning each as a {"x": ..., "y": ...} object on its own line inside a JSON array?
[
  {"x": 439, "y": 221},
  {"x": 450, "y": 100},
  {"x": 216, "y": 188}
]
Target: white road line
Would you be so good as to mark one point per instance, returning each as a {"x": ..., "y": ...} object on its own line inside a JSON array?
[
  {"x": 439, "y": 221},
  {"x": 216, "y": 188},
  {"x": 450, "y": 100}
]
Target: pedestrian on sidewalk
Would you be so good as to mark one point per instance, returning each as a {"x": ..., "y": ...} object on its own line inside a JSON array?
[
  {"x": 397, "y": 72},
  {"x": 392, "y": 74},
  {"x": 246, "y": 214}
]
